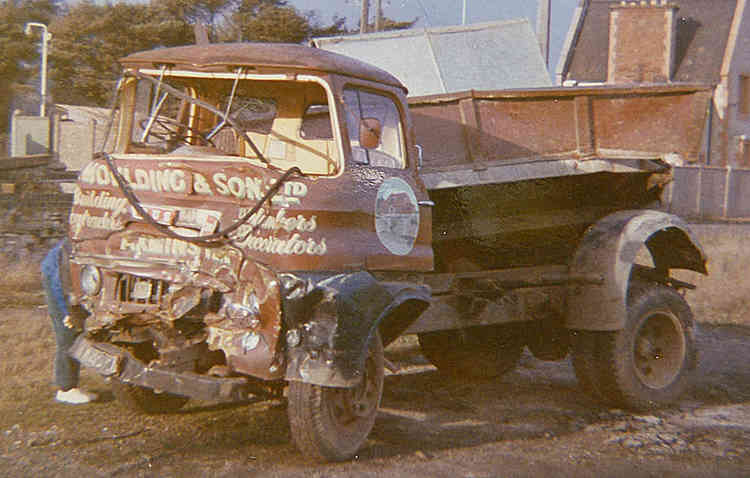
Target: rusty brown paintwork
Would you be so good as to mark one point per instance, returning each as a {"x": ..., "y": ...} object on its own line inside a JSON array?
[
  {"x": 527, "y": 171},
  {"x": 582, "y": 123}
]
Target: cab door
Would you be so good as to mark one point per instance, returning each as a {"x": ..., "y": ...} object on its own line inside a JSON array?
[{"x": 393, "y": 199}]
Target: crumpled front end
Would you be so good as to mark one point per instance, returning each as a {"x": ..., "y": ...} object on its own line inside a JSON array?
[
  {"x": 180, "y": 307},
  {"x": 329, "y": 322}
]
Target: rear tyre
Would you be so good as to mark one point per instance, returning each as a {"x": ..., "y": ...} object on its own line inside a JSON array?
[
  {"x": 475, "y": 352},
  {"x": 145, "y": 400},
  {"x": 649, "y": 362},
  {"x": 331, "y": 424}
]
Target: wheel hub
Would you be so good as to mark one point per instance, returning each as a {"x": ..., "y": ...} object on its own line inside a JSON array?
[
  {"x": 659, "y": 349},
  {"x": 358, "y": 402}
]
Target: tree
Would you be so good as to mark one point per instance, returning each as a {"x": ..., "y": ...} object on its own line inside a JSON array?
[
  {"x": 267, "y": 21},
  {"x": 89, "y": 39},
  {"x": 19, "y": 51},
  {"x": 211, "y": 13},
  {"x": 390, "y": 24},
  {"x": 317, "y": 29}
]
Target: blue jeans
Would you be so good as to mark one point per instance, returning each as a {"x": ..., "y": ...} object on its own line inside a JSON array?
[{"x": 66, "y": 369}]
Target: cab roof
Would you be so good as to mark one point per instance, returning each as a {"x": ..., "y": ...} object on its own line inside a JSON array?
[{"x": 222, "y": 57}]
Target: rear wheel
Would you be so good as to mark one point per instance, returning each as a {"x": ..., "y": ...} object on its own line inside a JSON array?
[
  {"x": 647, "y": 363},
  {"x": 475, "y": 352},
  {"x": 331, "y": 424},
  {"x": 145, "y": 400}
]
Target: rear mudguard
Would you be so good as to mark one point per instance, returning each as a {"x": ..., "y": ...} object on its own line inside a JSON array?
[
  {"x": 609, "y": 248},
  {"x": 330, "y": 320}
]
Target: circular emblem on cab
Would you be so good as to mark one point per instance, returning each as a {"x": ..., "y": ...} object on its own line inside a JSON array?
[{"x": 396, "y": 216}]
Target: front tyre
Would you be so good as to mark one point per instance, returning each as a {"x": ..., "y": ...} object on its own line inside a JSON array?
[
  {"x": 331, "y": 424},
  {"x": 648, "y": 363}
]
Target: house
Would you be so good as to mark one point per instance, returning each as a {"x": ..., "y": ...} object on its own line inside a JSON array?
[
  {"x": 79, "y": 132},
  {"x": 481, "y": 56},
  {"x": 682, "y": 41}
]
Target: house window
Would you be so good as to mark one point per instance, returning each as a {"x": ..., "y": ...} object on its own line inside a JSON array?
[
  {"x": 743, "y": 151},
  {"x": 745, "y": 94}
]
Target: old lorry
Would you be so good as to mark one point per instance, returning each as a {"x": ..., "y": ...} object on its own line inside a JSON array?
[{"x": 269, "y": 217}]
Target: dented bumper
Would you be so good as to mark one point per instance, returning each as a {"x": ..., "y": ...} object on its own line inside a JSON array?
[{"x": 116, "y": 363}]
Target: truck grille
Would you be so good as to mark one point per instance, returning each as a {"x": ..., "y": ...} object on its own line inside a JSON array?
[{"x": 139, "y": 290}]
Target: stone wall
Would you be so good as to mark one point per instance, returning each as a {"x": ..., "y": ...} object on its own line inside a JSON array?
[
  {"x": 723, "y": 296},
  {"x": 33, "y": 209},
  {"x": 36, "y": 183}
]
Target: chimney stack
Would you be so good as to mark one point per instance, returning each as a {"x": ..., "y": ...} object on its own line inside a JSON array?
[{"x": 642, "y": 41}]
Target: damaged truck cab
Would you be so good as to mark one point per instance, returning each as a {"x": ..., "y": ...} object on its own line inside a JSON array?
[
  {"x": 264, "y": 223},
  {"x": 222, "y": 247}
]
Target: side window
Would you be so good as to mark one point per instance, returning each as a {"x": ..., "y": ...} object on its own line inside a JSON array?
[{"x": 377, "y": 117}]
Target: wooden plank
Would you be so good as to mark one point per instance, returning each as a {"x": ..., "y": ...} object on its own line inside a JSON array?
[
  {"x": 472, "y": 129},
  {"x": 584, "y": 125}
]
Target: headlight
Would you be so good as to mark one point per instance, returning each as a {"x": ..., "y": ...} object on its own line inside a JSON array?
[
  {"x": 91, "y": 280},
  {"x": 293, "y": 337}
]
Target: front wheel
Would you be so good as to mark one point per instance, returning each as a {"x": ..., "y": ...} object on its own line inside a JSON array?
[
  {"x": 331, "y": 424},
  {"x": 648, "y": 363}
]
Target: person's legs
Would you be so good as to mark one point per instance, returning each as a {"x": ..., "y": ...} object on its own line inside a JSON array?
[{"x": 66, "y": 369}]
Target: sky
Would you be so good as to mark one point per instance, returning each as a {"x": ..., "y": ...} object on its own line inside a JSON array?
[{"x": 437, "y": 13}]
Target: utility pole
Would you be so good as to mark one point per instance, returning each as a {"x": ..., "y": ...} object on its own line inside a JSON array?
[
  {"x": 542, "y": 29},
  {"x": 378, "y": 15},
  {"x": 46, "y": 37},
  {"x": 463, "y": 14},
  {"x": 365, "y": 17}
]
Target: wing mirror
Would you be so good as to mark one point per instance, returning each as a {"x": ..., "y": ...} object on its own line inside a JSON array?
[{"x": 370, "y": 131}]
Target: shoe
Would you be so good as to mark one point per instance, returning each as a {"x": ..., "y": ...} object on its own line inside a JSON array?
[{"x": 75, "y": 396}]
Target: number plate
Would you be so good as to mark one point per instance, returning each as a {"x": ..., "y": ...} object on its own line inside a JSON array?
[{"x": 100, "y": 361}]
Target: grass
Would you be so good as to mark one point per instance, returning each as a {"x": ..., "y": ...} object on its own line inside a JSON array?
[
  {"x": 20, "y": 283},
  {"x": 25, "y": 332},
  {"x": 26, "y": 355}
]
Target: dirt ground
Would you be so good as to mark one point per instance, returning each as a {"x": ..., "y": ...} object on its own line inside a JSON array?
[{"x": 534, "y": 421}]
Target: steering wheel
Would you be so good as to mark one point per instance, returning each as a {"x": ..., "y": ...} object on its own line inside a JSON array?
[{"x": 170, "y": 130}]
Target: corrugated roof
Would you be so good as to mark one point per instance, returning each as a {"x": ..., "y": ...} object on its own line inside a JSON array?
[
  {"x": 702, "y": 34},
  {"x": 482, "y": 56}
]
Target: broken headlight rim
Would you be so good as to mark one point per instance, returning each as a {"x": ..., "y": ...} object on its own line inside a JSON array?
[
  {"x": 235, "y": 311},
  {"x": 91, "y": 280}
]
